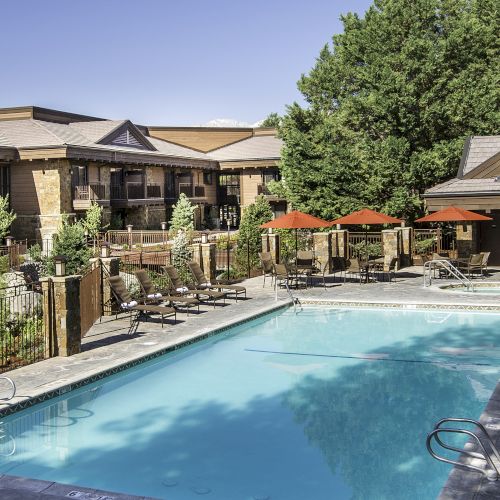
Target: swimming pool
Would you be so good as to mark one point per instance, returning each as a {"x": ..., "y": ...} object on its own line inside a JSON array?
[{"x": 329, "y": 403}]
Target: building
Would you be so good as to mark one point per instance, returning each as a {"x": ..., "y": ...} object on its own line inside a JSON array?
[
  {"x": 54, "y": 164},
  {"x": 476, "y": 187}
]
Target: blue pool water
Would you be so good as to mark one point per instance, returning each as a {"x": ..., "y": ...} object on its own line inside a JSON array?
[{"x": 326, "y": 404}]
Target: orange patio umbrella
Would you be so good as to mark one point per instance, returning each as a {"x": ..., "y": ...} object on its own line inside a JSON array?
[
  {"x": 453, "y": 214},
  {"x": 366, "y": 216},
  {"x": 296, "y": 220}
]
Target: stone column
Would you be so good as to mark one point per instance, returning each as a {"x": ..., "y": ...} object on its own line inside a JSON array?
[
  {"x": 390, "y": 246},
  {"x": 208, "y": 262},
  {"x": 406, "y": 242},
  {"x": 323, "y": 249},
  {"x": 265, "y": 242},
  {"x": 110, "y": 267},
  {"x": 467, "y": 239},
  {"x": 62, "y": 314},
  {"x": 195, "y": 249},
  {"x": 339, "y": 242},
  {"x": 274, "y": 246}
]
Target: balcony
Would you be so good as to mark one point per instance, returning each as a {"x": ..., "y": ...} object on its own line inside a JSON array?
[
  {"x": 131, "y": 194},
  {"x": 264, "y": 190},
  {"x": 84, "y": 195}
]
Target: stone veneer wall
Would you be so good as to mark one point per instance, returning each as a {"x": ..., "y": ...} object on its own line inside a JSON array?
[{"x": 40, "y": 196}]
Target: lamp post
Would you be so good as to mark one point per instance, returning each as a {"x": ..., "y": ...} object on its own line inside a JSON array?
[
  {"x": 204, "y": 237},
  {"x": 129, "y": 229},
  {"x": 163, "y": 229},
  {"x": 60, "y": 263},
  {"x": 228, "y": 236},
  {"x": 105, "y": 250}
]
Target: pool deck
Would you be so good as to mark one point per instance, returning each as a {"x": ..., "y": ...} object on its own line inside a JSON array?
[{"x": 112, "y": 345}]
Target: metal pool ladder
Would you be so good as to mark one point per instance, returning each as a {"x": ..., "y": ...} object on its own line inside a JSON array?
[
  {"x": 448, "y": 266},
  {"x": 13, "y": 387},
  {"x": 295, "y": 300},
  {"x": 491, "y": 457}
]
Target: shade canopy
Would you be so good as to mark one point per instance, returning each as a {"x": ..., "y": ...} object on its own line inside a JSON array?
[
  {"x": 296, "y": 220},
  {"x": 453, "y": 214},
  {"x": 366, "y": 216}
]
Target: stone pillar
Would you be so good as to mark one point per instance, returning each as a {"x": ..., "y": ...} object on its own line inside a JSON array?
[
  {"x": 195, "y": 249},
  {"x": 339, "y": 243},
  {"x": 274, "y": 246},
  {"x": 323, "y": 249},
  {"x": 265, "y": 242},
  {"x": 110, "y": 267},
  {"x": 61, "y": 311},
  {"x": 390, "y": 246},
  {"x": 406, "y": 242},
  {"x": 208, "y": 262},
  {"x": 467, "y": 239}
]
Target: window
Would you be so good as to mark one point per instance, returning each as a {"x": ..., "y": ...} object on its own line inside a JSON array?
[
  {"x": 79, "y": 175},
  {"x": 270, "y": 175},
  {"x": 4, "y": 180},
  {"x": 207, "y": 178}
]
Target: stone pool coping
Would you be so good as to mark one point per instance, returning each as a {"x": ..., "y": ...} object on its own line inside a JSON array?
[{"x": 61, "y": 386}]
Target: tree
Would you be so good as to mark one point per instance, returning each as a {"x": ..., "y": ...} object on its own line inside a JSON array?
[
  {"x": 272, "y": 120},
  {"x": 70, "y": 242},
  {"x": 7, "y": 217},
  {"x": 249, "y": 233},
  {"x": 182, "y": 215},
  {"x": 390, "y": 103},
  {"x": 93, "y": 220},
  {"x": 181, "y": 255}
]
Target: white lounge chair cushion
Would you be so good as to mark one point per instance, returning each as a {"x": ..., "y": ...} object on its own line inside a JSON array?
[
  {"x": 154, "y": 296},
  {"x": 182, "y": 289},
  {"x": 206, "y": 284},
  {"x": 128, "y": 305}
]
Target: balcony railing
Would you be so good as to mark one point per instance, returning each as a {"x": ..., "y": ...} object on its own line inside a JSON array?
[
  {"x": 186, "y": 189},
  {"x": 199, "y": 191},
  {"x": 263, "y": 189},
  {"x": 135, "y": 191},
  {"x": 92, "y": 191}
]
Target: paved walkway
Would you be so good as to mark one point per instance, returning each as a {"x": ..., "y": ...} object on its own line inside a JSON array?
[{"x": 113, "y": 344}]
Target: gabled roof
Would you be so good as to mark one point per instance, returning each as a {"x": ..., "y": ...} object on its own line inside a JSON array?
[
  {"x": 23, "y": 134},
  {"x": 254, "y": 148},
  {"x": 464, "y": 187},
  {"x": 477, "y": 150}
]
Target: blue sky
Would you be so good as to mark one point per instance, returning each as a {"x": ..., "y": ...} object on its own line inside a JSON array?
[{"x": 163, "y": 62}]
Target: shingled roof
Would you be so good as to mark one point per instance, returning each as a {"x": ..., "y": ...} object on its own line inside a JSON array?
[
  {"x": 477, "y": 150},
  {"x": 254, "y": 148}
]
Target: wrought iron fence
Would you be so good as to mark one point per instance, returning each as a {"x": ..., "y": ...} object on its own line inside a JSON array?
[
  {"x": 23, "y": 338},
  {"x": 152, "y": 262}
]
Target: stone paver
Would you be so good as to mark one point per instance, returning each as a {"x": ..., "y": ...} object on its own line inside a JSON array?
[{"x": 113, "y": 343}]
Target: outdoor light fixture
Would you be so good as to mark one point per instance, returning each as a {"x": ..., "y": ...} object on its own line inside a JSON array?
[
  {"x": 60, "y": 262},
  {"x": 9, "y": 240},
  {"x": 204, "y": 237},
  {"x": 105, "y": 250},
  {"x": 129, "y": 227},
  {"x": 163, "y": 226}
]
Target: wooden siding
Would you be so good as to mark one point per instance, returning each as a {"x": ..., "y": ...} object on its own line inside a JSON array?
[
  {"x": 264, "y": 131},
  {"x": 199, "y": 138},
  {"x": 467, "y": 202},
  {"x": 233, "y": 165},
  {"x": 15, "y": 114},
  {"x": 36, "y": 154},
  {"x": 249, "y": 182}
]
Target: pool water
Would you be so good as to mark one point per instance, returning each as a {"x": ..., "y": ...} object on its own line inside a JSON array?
[{"x": 325, "y": 404}]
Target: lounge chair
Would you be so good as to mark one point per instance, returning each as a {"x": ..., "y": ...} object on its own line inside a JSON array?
[
  {"x": 359, "y": 268},
  {"x": 153, "y": 295},
  {"x": 486, "y": 256},
  {"x": 266, "y": 261},
  {"x": 281, "y": 275},
  {"x": 185, "y": 289},
  {"x": 204, "y": 284},
  {"x": 127, "y": 304}
]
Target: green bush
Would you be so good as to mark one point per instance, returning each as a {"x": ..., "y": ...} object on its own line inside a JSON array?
[
  {"x": 364, "y": 250},
  {"x": 423, "y": 247}
]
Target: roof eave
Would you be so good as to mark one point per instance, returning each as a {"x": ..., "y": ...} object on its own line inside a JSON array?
[{"x": 460, "y": 193}]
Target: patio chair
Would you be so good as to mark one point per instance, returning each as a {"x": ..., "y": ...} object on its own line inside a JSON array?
[
  {"x": 282, "y": 275},
  {"x": 204, "y": 284},
  {"x": 127, "y": 304},
  {"x": 266, "y": 262},
  {"x": 390, "y": 271},
  {"x": 486, "y": 256},
  {"x": 474, "y": 264},
  {"x": 339, "y": 265},
  {"x": 358, "y": 268},
  {"x": 154, "y": 296},
  {"x": 184, "y": 289}
]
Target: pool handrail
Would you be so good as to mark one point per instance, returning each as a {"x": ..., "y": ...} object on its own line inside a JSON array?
[
  {"x": 492, "y": 473},
  {"x": 454, "y": 271},
  {"x": 12, "y": 384}
]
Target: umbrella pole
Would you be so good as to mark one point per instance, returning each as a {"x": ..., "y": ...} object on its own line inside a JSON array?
[{"x": 296, "y": 246}]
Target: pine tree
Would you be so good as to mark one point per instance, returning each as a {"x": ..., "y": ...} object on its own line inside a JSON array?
[
  {"x": 182, "y": 215},
  {"x": 390, "y": 103},
  {"x": 7, "y": 217},
  {"x": 249, "y": 233},
  {"x": 181, "y": 255}
]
